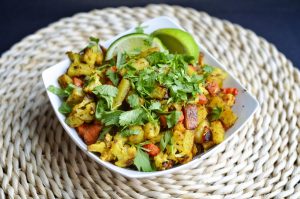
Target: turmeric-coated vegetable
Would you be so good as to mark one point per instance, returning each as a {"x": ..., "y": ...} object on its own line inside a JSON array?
[{"x": 123, "y": 90}]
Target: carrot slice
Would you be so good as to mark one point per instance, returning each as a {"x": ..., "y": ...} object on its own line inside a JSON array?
[
  {"x": 89, "y": 132},
  {"x": 152, "y": 149},
  {"x": 77, "y": 82}
]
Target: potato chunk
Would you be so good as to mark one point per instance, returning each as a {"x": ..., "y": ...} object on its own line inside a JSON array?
[
  {"x": 76, "y": 96},
  {"x": 228, "y": 117},
  {"x": 64, "y": 80},
  {"x": 140, "y": 64},
  {"x": 151, "y": 130},
  {"x": 218, "y": 132}
]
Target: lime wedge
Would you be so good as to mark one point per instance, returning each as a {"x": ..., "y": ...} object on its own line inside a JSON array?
[
  {"x": 131, "y": 43},
  {"x": 177, "y": 41},
  {"x": 157, "y": 43}
]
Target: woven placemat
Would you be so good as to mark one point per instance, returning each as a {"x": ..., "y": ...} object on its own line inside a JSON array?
[{"x": 39, "y": 160}]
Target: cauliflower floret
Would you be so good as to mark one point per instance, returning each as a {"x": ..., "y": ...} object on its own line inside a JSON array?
[
  {"x": 151, "y": 130},
  {"x": 82, "y": 112},
  {"x": 103, "y": 147},
  {"x": 162, "y": 162},
  {"x": 124, "y": 153},
  {"x": 138, "y": 138},
  {"x": 94, "y": 81},
  {"x": 182, "y": 148}
]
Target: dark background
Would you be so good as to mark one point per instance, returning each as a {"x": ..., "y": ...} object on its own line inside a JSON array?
[{"x": 277, "y": 21}]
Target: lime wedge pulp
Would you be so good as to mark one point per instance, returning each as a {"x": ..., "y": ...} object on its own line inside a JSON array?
[
  {"x": 177, "y": 41},
  {"x": 132, "y": 42}
]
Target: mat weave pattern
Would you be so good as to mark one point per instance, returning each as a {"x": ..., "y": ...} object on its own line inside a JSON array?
[{"x": 39, "y": 160}]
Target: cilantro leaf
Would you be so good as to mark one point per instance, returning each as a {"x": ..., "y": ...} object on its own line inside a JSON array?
[
  {"x": 64, "y": 108},
  {"x": 173, "y": 118},
  {"x": 57, "y": 91},
  {"x": 94, "y": 39},
  {"x": 94, "y": 42},
  {"x": 111, "y": 117},
  {"x": 113, "y": 76},
  {"x": 131, "y": 117},
  {"x": 61, "y": 92},
  {"x": 140, "y": 29},
  {"x": 155, "y": 106},
  {"x": 104, "y": 131},
  {"x": 207, "y": 69},
  {"x": 142, "y": 161},
  {"x": 148, "y": 42},
  {"x": 133, "y": 100},
  {"x": 129, "y": 132},
  {"x": 106, "y": 92},
  {"x": 100, "y": 108},
  {"x": 216, "y": 113},
  {"x": 157, "y": 58},
  {"x": 121, "y": 59},
  {"x": 165, "y": 140},
  {"x": 68, "y": 90}
]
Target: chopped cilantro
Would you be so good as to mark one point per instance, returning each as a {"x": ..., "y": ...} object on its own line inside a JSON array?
[
  {"x": 104, "y": 131},
  {"x": 133, "y": 100},
  {"x": 173, "y": 118},
  {"x": 94, "y": 42},
  {"x": 148, "y": 42},
  {"x": 165, "y": 140},
  {"x": 106, "y": 92},
  {"x": 140, "y": 29},
  {"x": 64, "y": 108},
  {"x": 61, "y": 92},
  {"x": 100, "y": 108},
  {"x": 207, "y": 69},
  {"x": 216, "y": 113},
  {"x": 111, "y": 117},
  {"x": 131, "y": 117},
  {"x": 121, "y": 59},
  {"x": 129, "y": 132},
  {"x": 113, "y": 76},
  {"x": 142, "y": 161},
  {"x": 94, "y": 39},
  {"x": 155, "y": 106},
  {"x": 157, "y": 58}
]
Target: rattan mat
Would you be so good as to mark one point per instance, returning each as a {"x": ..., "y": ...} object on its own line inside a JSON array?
[{"x": 39, "y": 160}]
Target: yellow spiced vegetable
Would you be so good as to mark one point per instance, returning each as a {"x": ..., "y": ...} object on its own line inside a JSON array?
[{"x": 145, "y": 109}]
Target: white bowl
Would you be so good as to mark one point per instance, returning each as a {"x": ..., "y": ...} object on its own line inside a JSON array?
[{"x": 244, "y": 107}]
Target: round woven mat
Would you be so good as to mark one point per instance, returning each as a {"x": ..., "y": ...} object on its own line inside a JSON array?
[{"x": 38, "y": 159}]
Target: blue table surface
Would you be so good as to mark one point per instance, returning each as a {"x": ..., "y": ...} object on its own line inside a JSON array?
[{"x": 278, "y": 21}]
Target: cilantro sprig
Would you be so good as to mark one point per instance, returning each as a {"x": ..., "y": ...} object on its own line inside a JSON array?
[
  {"x": 113, "y": 76},
  {"x": 61, "y": 92},
  {"x": 64, "y": 108},
  {"x": 142, "y": 160},
  {"x": 106, "y": 92},
  {"x": 216, "y": 113},
  {"x": 173, "y": 118},
  {"x": 165, "y": 140}
]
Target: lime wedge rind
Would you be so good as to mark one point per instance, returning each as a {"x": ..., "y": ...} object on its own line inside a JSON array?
[{"x": 178, "y": 41}]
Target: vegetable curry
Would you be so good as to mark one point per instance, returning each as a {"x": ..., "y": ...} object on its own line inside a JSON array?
[{"x": 146, "y": 110}]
